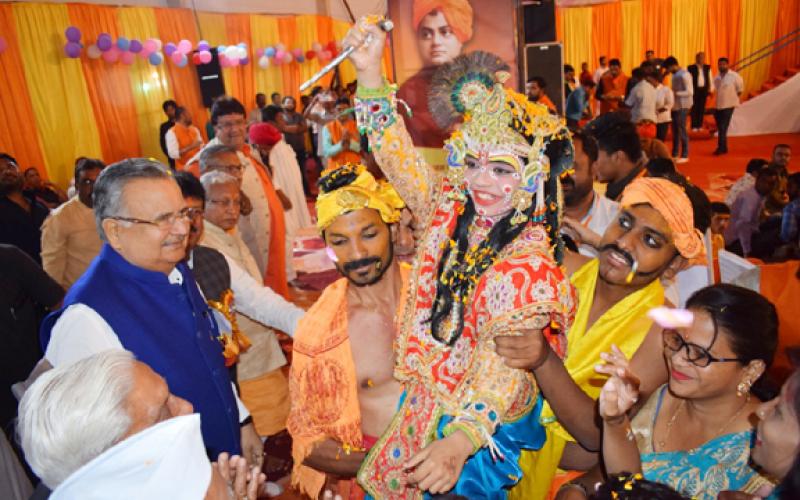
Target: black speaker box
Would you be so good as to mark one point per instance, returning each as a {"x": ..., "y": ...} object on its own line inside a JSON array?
[
  {"x": 539, "y": 21},
  {"x": 210, "y": 79},
  {"x": 546, "y": 60}
]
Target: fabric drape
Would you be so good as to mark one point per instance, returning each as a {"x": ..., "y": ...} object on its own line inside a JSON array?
[
  {"x": 109, "y": 85},
  {"x": 61, "y": 106},
  {"x": 264, "y": 30},
  {"x": 688, "y": 29},
  {"x": 656, "y": 26},
  {"x": 788, "y": 20},
  {"x": 212, "y": 29},
  {"x": 722, "y": 30},
  {"x": 149, "y": 83},
  {"x": 239, "y": 80},
  {"x": 175, "y": 25},
  {"x": 758, "y": 30},
  {"x": 287, "y": 31},
  {"x": 578, "y": 36},
  {"x": 606, "y": 32},
  {"x": 632, "y": 52},
  {"x": 18, "y": 134}
]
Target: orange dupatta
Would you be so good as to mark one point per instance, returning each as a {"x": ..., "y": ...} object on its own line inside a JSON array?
[
  {"x": 336, "y": 130},
  {"x": 185, "y": 136}
]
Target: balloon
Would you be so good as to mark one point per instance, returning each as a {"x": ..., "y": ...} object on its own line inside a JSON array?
[
  {"x": 301, "y": 58},
  {"x": 280, "y": 54},
  {"x": 170, "y": 49},
  {"x": 123, "y": 43},
  {"x": 104, "y": 41},
  {"x": 205, "y": 57},
  {"x": 155, "y": 58},
  {"x": 73, "y": 34},
  {"x": 325, "y": 56},
  {"x": 3, "y": 44},
  {"x": 150, "y": 46},
  {"x": 203, "y": 46},
  {"x": 93, "y": 52},
  {"x": 111, "y": 56},
  {"x": 281, "y": 47},
  {"x": 232, "y": 52},
  {"x": 297, "y": 53},
  {"x": 331, "y": 46},
  {"x": 176, "y": 56},
  {"x": 72, "y": 50},
  {"x": 287, "y": 58},
  {"x": 183, "y": 60},
  {"x": 259, "y": 52},
  {"x": 316, "y": 47},
  {"x": 310, "y": 54},
  {"x": 127, "y": 58},
  {"x": 221, "y": 49},
  {"x": 263, "y": 62},
  {"x": 135, "y": 46},
  {"x": 233, "y": 61},
  {"x": 158, "y": 43},
  {"x": 269, "y": 52},
  {"x": 184, "y": 46},
  {"x": 243, "y": 61}
]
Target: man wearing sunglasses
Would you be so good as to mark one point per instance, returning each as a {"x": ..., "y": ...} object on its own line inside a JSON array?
[
  {"x": 652, "y": 237},
  {"x": 138, "y": 295}
]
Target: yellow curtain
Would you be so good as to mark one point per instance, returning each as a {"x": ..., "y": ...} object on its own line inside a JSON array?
[
  {"x": 306, "y": 34},
  {"x": 61, "y": 105},
  {"x": 578, "y": 35},
  {"x": 758, "y": 29},
  {"x": 632, "y": 53},
  {"x": 688, "y": 29},
  {"x": 149, "y": 83},
  {"x": 240, "y": 78},
  {"x": 264, "y": 32}
]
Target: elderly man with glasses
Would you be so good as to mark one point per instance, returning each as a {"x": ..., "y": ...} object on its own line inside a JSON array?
[{"x": 138, "y": 295}]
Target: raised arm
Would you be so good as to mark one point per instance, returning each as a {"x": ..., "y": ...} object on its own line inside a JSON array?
[{"x": 376, "y": 112}]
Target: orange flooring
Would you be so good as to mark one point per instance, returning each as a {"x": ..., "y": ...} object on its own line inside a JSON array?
[{"x": 715, "y": 174}]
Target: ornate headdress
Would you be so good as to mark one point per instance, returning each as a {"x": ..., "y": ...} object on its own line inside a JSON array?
[
  {"x": 497, "y": 123},
  {"x": 351, "y": 187}
]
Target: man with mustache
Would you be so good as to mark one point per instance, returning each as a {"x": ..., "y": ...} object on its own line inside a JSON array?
[
  {"x": 343, "y": 392},
  {"x": 653, "y": 237}
]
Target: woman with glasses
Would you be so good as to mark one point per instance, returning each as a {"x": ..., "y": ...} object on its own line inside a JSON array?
[{"x": 694, "y": 433}]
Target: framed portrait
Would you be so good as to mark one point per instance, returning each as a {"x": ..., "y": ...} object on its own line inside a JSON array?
[{"x": 429, "y": 33}]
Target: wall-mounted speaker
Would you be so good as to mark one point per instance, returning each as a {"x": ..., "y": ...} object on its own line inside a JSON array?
[{"x": 210, "y": 79}]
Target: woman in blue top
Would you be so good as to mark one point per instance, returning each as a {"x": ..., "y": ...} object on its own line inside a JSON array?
[{"x": 694, "y": 433}]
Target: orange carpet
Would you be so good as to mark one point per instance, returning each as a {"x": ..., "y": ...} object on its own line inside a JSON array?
[{"x": 715, "y": 174}]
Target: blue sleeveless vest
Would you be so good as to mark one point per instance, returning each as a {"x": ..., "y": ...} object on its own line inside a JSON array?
[{"x": 168, "y": 327}]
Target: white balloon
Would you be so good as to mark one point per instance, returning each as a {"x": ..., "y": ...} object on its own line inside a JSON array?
[
  {"x": 232, "y": 52},
  {"x": 242, "y": 52},
  {"x": 263, "y": 62},
  {"x": 93, "y": 52}
]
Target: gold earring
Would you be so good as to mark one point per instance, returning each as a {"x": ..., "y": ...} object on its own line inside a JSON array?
[{"x": 743, "y": 388}]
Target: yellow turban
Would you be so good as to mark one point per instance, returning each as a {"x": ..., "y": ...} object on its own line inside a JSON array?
[
  {"x": 668, "y": 199},
  {"x": 457, "y": 12},
  {"x": 363, "y": 192}
]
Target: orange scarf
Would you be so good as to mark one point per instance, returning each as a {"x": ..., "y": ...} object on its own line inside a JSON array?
[
  {"x": 275, "y": 277},
  {"x": 185, "y": 136},
  {"x": 336, "y": 129}
]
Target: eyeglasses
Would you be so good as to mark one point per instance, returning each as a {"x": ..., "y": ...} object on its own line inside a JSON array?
[
  {"x": 166, "y": 221},
  {"x": 234, "y": 170},
  {"x": 698, "y": 356},
  {"x": 231, "y": 124},
  {"x": 226, "y": 203}
]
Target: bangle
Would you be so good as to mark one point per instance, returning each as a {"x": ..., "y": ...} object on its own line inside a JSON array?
[
  {"x": 376, "y": 93},
  {"x": 576, "y": 486},
  {"x": 247, "y": 421}
]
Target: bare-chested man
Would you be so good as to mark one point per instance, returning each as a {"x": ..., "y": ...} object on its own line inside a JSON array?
[{"x": 342, "y": 388}]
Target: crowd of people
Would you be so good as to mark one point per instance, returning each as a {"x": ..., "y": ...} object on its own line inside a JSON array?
[{"x": 543, "y": 340}]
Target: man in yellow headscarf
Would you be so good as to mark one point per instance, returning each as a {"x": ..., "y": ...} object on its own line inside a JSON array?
[
  {"x": 442, "y": 28},
  {"x": 653, "y": 237},
  {"x": 342, "y": 388}
]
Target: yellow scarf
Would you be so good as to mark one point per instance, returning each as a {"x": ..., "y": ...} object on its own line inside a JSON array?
[{"x": 626, "y": 325}]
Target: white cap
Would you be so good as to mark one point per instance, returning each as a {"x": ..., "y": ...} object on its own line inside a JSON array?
[{"x": 166, "y": 461}]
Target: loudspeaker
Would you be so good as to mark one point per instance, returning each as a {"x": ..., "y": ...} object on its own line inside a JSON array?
[
  {"x": 546, "y": 60},
  {"x": 210, "y": 78},
  {"x": 539, "y": 21}
]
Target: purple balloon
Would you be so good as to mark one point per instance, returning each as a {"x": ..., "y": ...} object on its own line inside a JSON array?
[
  {"x": 136, "y": 46},
  {"x": 73, "y": 34},
  {"x": 72, "y": 50},
  {"x": 244, "y": 61},
  {"x": 104, "y": 42},
  {"x": 203, "y": 46},
  {"x": 169, "y": 49}
]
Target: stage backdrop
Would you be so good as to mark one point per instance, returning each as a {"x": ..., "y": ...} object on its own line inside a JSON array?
[{"x": 429, "y": 33}]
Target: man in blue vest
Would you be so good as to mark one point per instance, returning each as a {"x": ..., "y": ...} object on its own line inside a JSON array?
[{"x": 137, "y": 295}]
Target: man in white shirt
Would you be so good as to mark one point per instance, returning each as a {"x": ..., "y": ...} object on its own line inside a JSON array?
[
  {"x": 728, "y": 85},
  {"x": 257, "y": 114},
  {"x": 587, "y": 214},
  {"x": 601, "y": 70},
  {"x": 183, "y": 139},
  {"x": 139, "y": 296},
  {"x": 664, "y": 102},
  {"x": 683, "y": 92},
  {"x": 642, "y": 98},
  {"x": 69, "y": 234}
]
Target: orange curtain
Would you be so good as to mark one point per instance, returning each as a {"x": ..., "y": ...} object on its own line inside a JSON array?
[
  {"x": 18, "y": 134},
  {"x": 109, "y": 85},
  {"x": 239, "y": 81},
  {"x": 657, "y": 26},
  {"x": 606, "y": 32},
  {"x": 560, "y": 29},
  {"x": 287, "y": 34},
  {"x": 788, "y": 20},
  {"x": 175, "y": 25},
  {"x": 722, "y": 30}
]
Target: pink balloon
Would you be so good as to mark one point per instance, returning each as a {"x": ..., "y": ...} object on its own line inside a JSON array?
[
  {"x": 127, "y": 58},
  {"x": 177, "y": 57},
  {"x": 158, "y": 43},
  {"x": 205, "y": 57},
  {"x": 185, "y": 46},
  {"x": 150, "y": 46},
  {"x": 280, "y": 54},
  {"x": 111, "y": 56},
  {"x": 259, "y": 52},
  {"x": 297, "y": 53}
]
